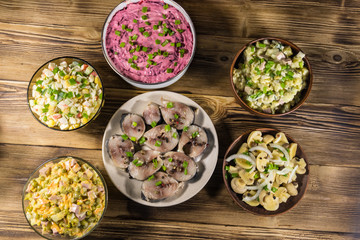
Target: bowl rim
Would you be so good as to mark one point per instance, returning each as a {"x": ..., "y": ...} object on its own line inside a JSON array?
[
  {"x": 41, "y": 68},
  {"x": 140, "y": 84},
  {"x": 234, "y": 196},
  {"x": 305, "y": 93},
  {"x": 59, "y": 159}
]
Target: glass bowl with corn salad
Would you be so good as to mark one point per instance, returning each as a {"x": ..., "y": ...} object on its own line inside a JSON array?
[
  {"x": 65, "y": 198},
  {"x": 65, "y": 94}
]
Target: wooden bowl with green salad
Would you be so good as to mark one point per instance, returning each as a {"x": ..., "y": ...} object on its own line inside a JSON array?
[{"x": 271, "y": 77}]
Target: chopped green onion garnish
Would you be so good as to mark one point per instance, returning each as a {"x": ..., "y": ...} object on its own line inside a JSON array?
[
  {"x": 174, "y": 135},
  {"x": 155, "y": 27},
  {"x": 170, "y": 105},
  {"x": 281, "y": 92},
  {"x": 262, "y": 45},
  {"x": 177, "y": 22},
  {"x": 85, "y": 115},
  {"x": 151, "y": 177},
  {"x": 135, "y": 21},
  {"x": 116, "y": 53},
  {"x": 153, "y": 124},
  {"x": 139, "y": 164},
  {"x": 185, "y": 171},
  {"x": 176, "y": 116},
  {"x": 133, "y": 139},
  {"x": 155, "y": 162},
  {"x": 45, "y": 118},
  {"x": 234, "y": 175},
  {"x": 164, "y": 16},
  {"x": 144, "y": 9},
  {"x": 158, "y": 143},
  {"x": 122, "y": 44},
  {"x": 129, "y": 154},
  {"x": 148, "y": 23},
  {"x": 128, "y": 29},
  {"x": 72, "y": 81},
  {"x": 138, "y": 48},
  {"x": 134, "y": 124},
  {"x": 158, "y": 183},
  {"x": 166, "y": 6},
  {"x": 252, "y": 48},
  {"x": 163, "y": 167},
  {"x": 141, "y": 29},
  {"x": 227, "y": 168},
  {"x": 146, "y": 34},
  {"x": 169, "y": 70},
  {"x": 144, "y": 49},
  {"x": 39, "y": 89},
  {"x": 55, "y": 70},
  {"x": 185, "y": 129},
  {"x": 117, "y": 32},
  {"x": 157, "y": 41},
  {"x": 175, "y": 64},
  {"x": 167, "y": 128},
  {"x": 144, "y": 17},
  {"x": 123, "y": 26},
  {"x": 161, "y": 34},
  {"x": 283, "y": 158},
  {"x": 135, "y": 37},
  {"x": 178, "y": 44},
  {"x": 195, "y": 134},
  {"x": 165, "y": 43},
  {"x": 142, "y": 140},
  {"x": 135, "y": 57},
  {"x": 274, "y": 189},
  {"x": 180, "y": 30},
  {"x": 248, "y": 163},
  {"x": 170, "y": 159}
]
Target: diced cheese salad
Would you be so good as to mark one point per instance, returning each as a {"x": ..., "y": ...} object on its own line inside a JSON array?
[
  {"x": 67, "y": 198},
  {"x": 66, "y": 96}
]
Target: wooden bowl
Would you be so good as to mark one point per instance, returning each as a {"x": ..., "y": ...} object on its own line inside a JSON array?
[
  {"x": 304, "y": 93},
  {"x": 302, "y": 180}
]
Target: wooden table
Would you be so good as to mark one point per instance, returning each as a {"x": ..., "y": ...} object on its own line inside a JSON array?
[{"x": 327, "y": 126}]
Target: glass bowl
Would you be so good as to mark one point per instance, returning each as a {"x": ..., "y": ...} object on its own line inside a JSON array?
[
  {"x": 140, "y": 84},
  {"x": 303, "y": 95},
  {"x": 302, "y": 179},
  {"x": 35, "y": 174},
  {"x": 38, "y": 73}
]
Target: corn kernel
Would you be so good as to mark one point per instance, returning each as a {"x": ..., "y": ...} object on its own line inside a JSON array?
[
  {"x": 66, "y": 84},
  {"x": 51, "y": 123},
  {"x": 71, "y": 127},
  {"x": 84, "y": 120},
  {"x": 85, "y": 91},
  {"x": 66, "y": 77},
  {"x": 97, "y": 81},
  {"x": 76, "y": 125}
]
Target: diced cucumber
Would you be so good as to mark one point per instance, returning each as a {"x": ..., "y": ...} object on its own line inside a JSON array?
[{"x": 88, "y": 70}]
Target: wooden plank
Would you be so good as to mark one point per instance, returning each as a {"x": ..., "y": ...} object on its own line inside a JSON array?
[
  {"x": 311, "y": 125},
  {"x": 331, "y": 48},
  {"x": 331, "y": 197}
]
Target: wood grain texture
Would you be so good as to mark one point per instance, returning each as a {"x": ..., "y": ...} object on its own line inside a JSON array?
[{"x": 327, "y": 126}]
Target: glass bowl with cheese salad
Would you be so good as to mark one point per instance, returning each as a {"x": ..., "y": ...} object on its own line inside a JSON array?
[
  {"x": 271, "y": 77},
  {"x": 65, "y": 198},
  {"x": 65, "y": 94}
]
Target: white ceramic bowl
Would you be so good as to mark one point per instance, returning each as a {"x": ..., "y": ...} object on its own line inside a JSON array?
[{"x": 138, "y": 83}]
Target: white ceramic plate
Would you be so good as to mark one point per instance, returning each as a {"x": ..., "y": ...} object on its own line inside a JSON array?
[{"x": 131, "y": 187}]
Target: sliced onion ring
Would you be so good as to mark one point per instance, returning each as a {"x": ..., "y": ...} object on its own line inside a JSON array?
[
  {"x": 261, "y": 148},
  {"x": 292, "y": 173},
  {"x": 283, "y": 150},
  {"x": 242, "y": 156}
]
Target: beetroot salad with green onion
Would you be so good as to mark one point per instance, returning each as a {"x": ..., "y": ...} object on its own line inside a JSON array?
[{"x": 149, "y": 41}]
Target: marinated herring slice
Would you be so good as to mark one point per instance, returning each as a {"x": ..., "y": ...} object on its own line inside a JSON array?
[
  {"x": 193, "y": 141},
  {"x": 179, "y": 166},
  {"x": 152, "y": 114},
  {"x": 162, "y": 138},
  {"x": 145, "y": 164},
  {"x": 120, "y": 148},
  {"x": 160, "y": 186},
  {"x": 133, "y": 126},
  {"x": 177, "y": 114}
]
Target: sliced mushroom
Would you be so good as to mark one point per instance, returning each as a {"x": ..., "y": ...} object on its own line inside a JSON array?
[
  {"x": 261, "y": 161},
  {"x": 280, "y": 138},
  {"x": 152, "y": 114},
  {"x": 292, "y": 150},
  {"x": 271, "y": 202},
  {"x": 177, "y": 114},
  {"x": 291, "y": 189},
  {"x": 262, "y": 196},
  {"x": 254, "y": 135},
  {"x": 268, "y": 139},
  {"x": 120, "y": 150},
  {"x": 238, "y": 185},
  {"x": 252, "y": 203},
  {"x": 193, "y": 141},
  {"x": 133, "y": 126},
  {"x": 247, "y": 177},
  {"x": 282, "y": 194}
]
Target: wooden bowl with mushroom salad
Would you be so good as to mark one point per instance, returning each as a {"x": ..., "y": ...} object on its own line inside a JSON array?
[{"x": 265, "y": 171}]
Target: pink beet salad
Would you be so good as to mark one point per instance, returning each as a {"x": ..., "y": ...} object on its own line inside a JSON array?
[{"x": 149, "y": 41}]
